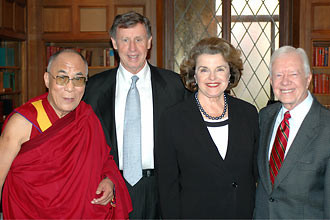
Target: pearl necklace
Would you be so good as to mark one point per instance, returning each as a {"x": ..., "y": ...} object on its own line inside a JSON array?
[{"x": 207, "y": 115}]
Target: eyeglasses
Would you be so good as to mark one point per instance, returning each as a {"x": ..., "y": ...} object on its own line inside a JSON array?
[{"x": 64, "y": 80}]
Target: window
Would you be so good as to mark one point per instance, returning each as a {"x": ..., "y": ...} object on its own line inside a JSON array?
[{"x": 253, "y": 27}]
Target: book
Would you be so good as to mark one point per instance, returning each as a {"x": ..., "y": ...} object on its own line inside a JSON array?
[
  {"x": 112, "y": 57},
  {"x": 2, "y": 56},
  {"x": 10, "y": 55},
  {"x": 1, "y": 82},
  {"x": 89, "y": 57},
  {"x": 9, "y": 81}
]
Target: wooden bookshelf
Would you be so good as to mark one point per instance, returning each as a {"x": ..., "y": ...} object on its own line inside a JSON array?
[
  {"x": 100, "y": 56},
  {"x": 315, "y": 39},
  {"x": 12, "y": 73}
]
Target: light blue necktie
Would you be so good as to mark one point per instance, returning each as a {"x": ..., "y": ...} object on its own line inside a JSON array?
[{"x": 132, "y": 159}]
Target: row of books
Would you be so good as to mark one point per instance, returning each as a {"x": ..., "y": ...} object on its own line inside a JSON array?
[
  {"x": 50, "y": 50},
  {"x": 321, "y": 83},
  {"x": 7, "y": 81},
  {"x": 321, "y": 56},
  {"x": 7, "y": 56},
  {"x": 109, "y": 57},
  {"x": 94, "y": 56}
]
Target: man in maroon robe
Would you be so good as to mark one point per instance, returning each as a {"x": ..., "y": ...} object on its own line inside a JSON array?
[{"x": 54, "y": 160}]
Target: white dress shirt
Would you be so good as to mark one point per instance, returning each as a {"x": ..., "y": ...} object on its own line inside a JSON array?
[
  {"x": 298, "y": 114},
  {"x": 123, "y": 83}
]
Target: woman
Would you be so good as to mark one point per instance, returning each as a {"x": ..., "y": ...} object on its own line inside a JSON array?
[{"x": 206, "y": 152}]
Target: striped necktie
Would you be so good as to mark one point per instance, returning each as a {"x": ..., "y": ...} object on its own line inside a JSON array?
[{"x": 278, "y": 151}]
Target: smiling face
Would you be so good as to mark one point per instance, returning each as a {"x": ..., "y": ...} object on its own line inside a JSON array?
[
  {"x": 132, "y": 45},
  {"x": 289, "y": 80},
  {"x": 65, "y": 99},
  {"x": 212, "y": 75}
]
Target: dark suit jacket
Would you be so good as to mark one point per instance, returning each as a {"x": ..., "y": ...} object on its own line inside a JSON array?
[
  {"x": 194, "y": 181},
  {"x": 167, "y": 89},
  {"x": 302, "y": 186}
]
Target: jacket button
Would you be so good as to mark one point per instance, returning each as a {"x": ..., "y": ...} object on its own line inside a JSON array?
[
  {"x": 271, "y": 199},
  {"x": 234, "y": 184}
]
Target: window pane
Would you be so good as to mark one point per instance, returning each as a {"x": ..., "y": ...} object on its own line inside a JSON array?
[{"x": 254, "y": 30}]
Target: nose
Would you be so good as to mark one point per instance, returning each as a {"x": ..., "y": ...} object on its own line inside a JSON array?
[
  {"x": 132, "y": 46},
  {"x": 285, "y": 79},
  {"x": 212, "y": 75},
  {"x": 69, "y": 86}
]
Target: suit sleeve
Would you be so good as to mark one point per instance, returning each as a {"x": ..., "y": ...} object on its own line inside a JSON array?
[
  {"x": 327, "y": 191},
  {"x": 167, "y": 170},
  {"x": 123, "y": 200},
  {"x": 110, "y": 170},
  {"x": 256, "y": 145}
]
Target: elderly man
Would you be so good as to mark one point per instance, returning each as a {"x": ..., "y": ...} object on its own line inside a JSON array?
[
  {"x": 129, "y": 101},
  {"x": 294, "y": 152},
  {"x": 54, "y": 156}
]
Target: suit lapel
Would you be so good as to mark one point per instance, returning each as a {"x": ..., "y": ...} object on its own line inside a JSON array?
[
  {"x": 106, "y": 106},
  {"x": 202, "y": 135},
  {"x": 306, "y": 134},
  {"x": 158, "y": 86},
  {"x": 268, "y": 122}
]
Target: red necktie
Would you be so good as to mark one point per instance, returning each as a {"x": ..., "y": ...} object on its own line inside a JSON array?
[{"x": 278, "y": 151}]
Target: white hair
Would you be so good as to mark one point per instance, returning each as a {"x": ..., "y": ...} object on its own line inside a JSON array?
[{"x": 286, "y": 50}]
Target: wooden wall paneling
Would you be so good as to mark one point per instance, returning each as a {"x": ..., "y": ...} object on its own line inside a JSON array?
[
  {"x": 57, "y": 19},
  {"x": 98, "y": 27},
  {"x": 226, "y": 23},
  {"x": 35, "y": 51},
  {"x": 121, "y": 9},
  {"x": 319, "y": 14},
  {"x": 8, "y": 15},
  {"x": 12, "y": 19},
  {"x": 99, "y": 21},
  {"x": 160, "y": 33},
  {"x": 1, "y": 2},
  {"x": 169, "y": 34},
  {"x": 20, "y": 17},
  {"x": 24, "y": 76}
]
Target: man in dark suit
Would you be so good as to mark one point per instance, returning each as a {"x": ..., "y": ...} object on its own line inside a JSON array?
[
  {"x": 294, "y": 160},
  {"x": 157, "y": 90}
]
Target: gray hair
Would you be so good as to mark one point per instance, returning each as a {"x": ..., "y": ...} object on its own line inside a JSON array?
[
  {"x": 55, "y": 55},
  {"x": 127, "y": 20},
  {"x": 286, "y": 50}
]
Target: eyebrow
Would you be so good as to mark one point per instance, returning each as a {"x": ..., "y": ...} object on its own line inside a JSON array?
[
  {"x": 216, "y": 67},
  {"x": 76, "y": 74}
]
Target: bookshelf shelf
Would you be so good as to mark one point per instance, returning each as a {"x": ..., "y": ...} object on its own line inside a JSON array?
[
  {"x": 10, "y": 93},
  {"x": 101, "y": 67},
  {"x": 10, "y": 67}
]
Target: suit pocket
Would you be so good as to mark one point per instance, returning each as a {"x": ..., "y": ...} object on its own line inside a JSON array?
[{"x": 306, "y": 165}]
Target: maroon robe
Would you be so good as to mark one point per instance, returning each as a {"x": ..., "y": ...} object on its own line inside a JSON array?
[{"x": 56, "y": 174}]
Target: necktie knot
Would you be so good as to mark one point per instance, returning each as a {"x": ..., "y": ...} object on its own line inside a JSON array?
[
  {"x": 134, "y": 80},
  {"x": 287, "y": 115}
]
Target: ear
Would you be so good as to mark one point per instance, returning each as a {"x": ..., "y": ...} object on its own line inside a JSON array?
[
  {"x": 309, "y": 78},
  {"x": 149, "y": 43},
  {"x": 46, "y": 79},
  {"x": 271, "y": 80},
  {"x": 114, "y": 43}
]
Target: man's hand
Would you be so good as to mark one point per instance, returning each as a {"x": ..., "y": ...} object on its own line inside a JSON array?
[{"x": 106, "y": 187}]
